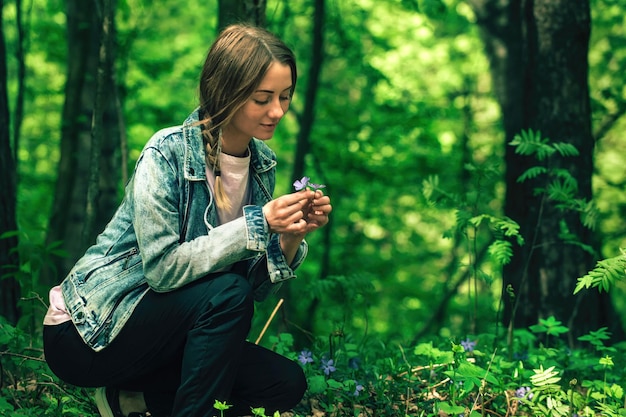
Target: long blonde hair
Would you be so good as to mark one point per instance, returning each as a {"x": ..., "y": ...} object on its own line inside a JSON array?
[{"x": 234, "y": 68}]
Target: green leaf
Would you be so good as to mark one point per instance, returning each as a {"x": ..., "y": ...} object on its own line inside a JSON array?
[
  {"x": 450, "y": 408},
  {"x": 544, "y": 377},
  {"x": 317, "y": 384}
]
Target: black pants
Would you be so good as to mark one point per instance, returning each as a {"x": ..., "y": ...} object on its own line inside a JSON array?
[{"x": 184, "y": 349}]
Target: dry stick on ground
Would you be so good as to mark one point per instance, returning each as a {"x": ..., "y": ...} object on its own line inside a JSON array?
[{"x": 280, "y": 302}]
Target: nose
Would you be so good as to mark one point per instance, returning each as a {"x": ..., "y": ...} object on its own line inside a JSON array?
[{"x": 277, "y": 109}]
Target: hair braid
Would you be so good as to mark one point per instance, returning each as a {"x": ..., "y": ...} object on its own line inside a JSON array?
[{"x": 212, "y": 150}]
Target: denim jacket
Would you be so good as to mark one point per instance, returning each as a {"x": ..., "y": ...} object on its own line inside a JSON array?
[{"x": 165, "y": 235}]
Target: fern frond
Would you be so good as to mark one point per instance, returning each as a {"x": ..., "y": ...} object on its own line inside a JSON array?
[
  {"x": 528, "y": 142},
  {"x": 429, "y": 185},
  {"x": 565, "y": 149},
  {"x": 501, "y": 251},
  {"x": 565, "y": 176},
  {"x": 544, "y": 151},
  {"x": 589, "y": 214},
  {"x": 532, "y": 172},
  {"x": 509, "y": 226},
  {"x": 463, "y": 219},
  {"x": 562, "y": 191},
  {"x": 606, "y": 273},
  {"x": 544, "y": 377}
]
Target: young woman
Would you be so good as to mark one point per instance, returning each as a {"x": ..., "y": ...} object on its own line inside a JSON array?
[{"x": 158, "y": 310}]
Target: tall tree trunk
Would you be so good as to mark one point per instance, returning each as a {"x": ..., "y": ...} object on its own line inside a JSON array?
[
  {"x": 307, "y": 117},
  {"x": 306, "y": 120},
  {"x": 237, "y": 11},
  {"x": 103, "y": 96},
  {"x": 21, "y": 76},
  {"x": 9, "y": 287},
  {"x": 538, "y": 56},
  {"x": 69, "y": 212}
]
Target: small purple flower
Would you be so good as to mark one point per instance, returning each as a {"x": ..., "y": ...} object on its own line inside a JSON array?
[
  {"x": 524, "y": 392},
  {"x": 358, "y": 389},
  {"x": 301, "y": 184},
  {"x": 328, "y": 366},
  {"x": 316, "y": 186},
  {"x": 468, "y": 345},
  {"x": 305, "y": 357},
  {"x": 305, "y": 182}
]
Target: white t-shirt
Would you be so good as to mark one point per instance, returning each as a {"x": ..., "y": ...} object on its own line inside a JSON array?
[{"x": 235, "y": 173}]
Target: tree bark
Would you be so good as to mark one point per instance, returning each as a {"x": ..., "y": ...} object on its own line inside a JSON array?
[
  {"x": 538, "y": 56},
  {"x": 9, "y": 287},
  {"x": 306, "y": 120},
  {"x": 307, "y": 116},
  {"x": 69, "y": 211},
  {"x": 21, "y": 77},
  {"x": 102, "y": 96}
]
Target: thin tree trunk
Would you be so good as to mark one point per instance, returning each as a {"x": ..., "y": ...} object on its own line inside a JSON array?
[
  {"x": 21, "y": 77},
  {"x": 306, "y": 120},
  {"x": 308, "y": 113},
  {"x": 102, "y": 96},
  {"x": 9, "y": 287}
]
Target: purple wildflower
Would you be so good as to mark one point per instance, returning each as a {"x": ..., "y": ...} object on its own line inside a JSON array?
[
  {"x": 468, "y": 345},
  {"x": 305, "y": 357},
  {"x": 301, "y": 184},
  {"x": 328, "y": 366},
  {"x": 358, "y": 389},
  {"x": 305, "y": 182},
  {"x": 524, "y": 392}
]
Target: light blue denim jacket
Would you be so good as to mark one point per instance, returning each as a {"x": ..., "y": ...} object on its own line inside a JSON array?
[{"x": 164, "y": 236}]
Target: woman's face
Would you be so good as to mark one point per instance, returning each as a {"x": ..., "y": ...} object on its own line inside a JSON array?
[{"x": 260, "y": 115}]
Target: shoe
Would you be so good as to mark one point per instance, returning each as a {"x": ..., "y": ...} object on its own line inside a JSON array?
[{"x": 108, "y": 402}]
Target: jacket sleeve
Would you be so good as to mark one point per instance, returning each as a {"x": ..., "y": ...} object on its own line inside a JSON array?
[
  {"x": 168, "y": 264},
  {"x": 268, "y": 272}
]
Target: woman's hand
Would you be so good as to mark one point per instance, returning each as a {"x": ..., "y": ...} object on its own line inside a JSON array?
[
  {"x": 288, "y": 213},
  {"x": 316, "y": 214},
  {"x": 295, "y": 215}
]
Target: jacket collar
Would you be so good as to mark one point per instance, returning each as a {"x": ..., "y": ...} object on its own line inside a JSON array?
[{"x": 261, "y": 156}]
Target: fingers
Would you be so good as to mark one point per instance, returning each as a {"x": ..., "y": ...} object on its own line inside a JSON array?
[
  {"x": 298, "y": 213},
  {"x": 287, "y": 214},
  {"x": 318, "y": 213}
]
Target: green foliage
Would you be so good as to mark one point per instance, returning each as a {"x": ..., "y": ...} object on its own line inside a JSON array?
[
  {"x": 35, "y": 259},
  {"x": 29, "y": 388},
  {"x": 460, "y": 378},
  {"x": 556, "y": 184},
  {"x": 605, "y": 275}
]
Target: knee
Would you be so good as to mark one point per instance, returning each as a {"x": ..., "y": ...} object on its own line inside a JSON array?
[
  {"x": 229, "y": 292},
  {"x": 296, "y": 386}
]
